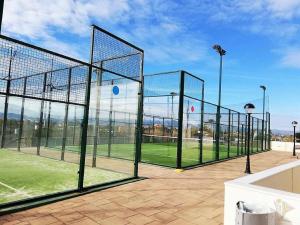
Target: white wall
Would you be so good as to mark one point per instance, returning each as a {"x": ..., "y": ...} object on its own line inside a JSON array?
[
  {"x": 285, "y": 203},
  {"x": 284, "y": 146}
]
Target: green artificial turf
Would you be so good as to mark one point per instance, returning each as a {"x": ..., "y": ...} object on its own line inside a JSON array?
[
  {"x": 25, "y": 175},
  {"x": 163, "y": 153}
]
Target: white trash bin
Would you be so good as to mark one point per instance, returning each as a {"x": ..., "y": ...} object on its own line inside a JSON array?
[{"x": 254, "y": 215}]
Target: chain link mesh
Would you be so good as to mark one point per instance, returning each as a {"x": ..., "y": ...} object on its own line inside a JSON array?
[
  {"x": 21, "y": 64},
  {"x": 115, "y": 55}
]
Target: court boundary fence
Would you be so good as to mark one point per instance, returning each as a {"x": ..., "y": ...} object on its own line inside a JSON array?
[
  {"x": 37, "y": 75},
  {"x": 232, "y": 134}
]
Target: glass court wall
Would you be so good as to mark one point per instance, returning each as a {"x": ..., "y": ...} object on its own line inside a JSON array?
[
  {"x": 67, "y": 125},
  {"x": 180, "y": 129},
  {"x": 172, "y": 119}
]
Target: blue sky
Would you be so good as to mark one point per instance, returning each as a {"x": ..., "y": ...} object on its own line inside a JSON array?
[{"x": 260, "y": 36}]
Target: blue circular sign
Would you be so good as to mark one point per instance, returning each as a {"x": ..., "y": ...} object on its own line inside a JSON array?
[{"x": 116, "y": 90}]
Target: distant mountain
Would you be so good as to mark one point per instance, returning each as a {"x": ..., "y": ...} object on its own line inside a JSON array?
[{"x": 281, "y": 132}]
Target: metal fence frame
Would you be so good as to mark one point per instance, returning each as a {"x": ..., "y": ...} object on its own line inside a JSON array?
[
  {"x": 260, "y": 141},
  {"x": 45, "y": 94}
]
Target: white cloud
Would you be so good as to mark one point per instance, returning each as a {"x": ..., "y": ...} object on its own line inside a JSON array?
[
  {"x": 290, "y": 58},
  {"x": 267, "y": 17},
  {"x": 41, "y": 21},
  {"x": 149, "y": 24},
  {"x": 284, "y": 9},
  {"x": 40, "y": 17}
]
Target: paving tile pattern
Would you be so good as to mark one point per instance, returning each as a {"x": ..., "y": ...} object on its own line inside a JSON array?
[{"x": 193, "y": 197}]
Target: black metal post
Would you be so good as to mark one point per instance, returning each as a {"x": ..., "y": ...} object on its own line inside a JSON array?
[
  {"x": 163, "y": 126},
  {"x": 202, "y": 126},
  {"x": 49, "y": 108},
  {"x": 49, "y": 111},
  {"x": 22, "y": 115},
  {"x": 243, "y": 140},
  {"x": 180, "y": 121},
  {"x": 217, "y": 134},
  {"x": 85, "y": 120},
  {"x": 294, "y": 147},
  {"x": 229, "y": 134},
  {"x": 263, "y": 122},
  {"x": 74, "y": 127},
  {"x": 139, "y": 124},
  {"x": 153, "y": 129},
  {"x": 48, "y": 122},
  {"x": 110, "y": 131},
  {"x": 266, "y": 132},
  {"x": 96, "y": 131},
  {"x": 1, "y": 13},
  {"x": 248, "y": 169},
  {"x": 172, "y": 115},
  {"x": 252, "y": 134},
  {"x": 218, "y": 119},
  {"x": 187, "y": 118},
  {"x": 6, "y": 100},
  {"x": 270, "y": 133},
  {"x": 40, "y": 126},
  {"x": 65, "y": 130},
  {"x": 257, "y": 140},
  {"x": 238, "y": 135}
]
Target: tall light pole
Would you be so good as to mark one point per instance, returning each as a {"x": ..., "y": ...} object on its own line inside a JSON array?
[
  {"x": 249, "y": 109},
  {"x": 263, "y": 121},
  {"x": 221, "y": 52},
  {"x": 1, "y": 13},
  {"x": 294, "y": 123}
]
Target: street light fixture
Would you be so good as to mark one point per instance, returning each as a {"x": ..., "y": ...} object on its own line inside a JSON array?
[
  {"x": 249, "y": 110},
  {"x": 263, "y": 121},
  {"x": 221, "y": 52},
  {"x": 294, "y": 123}
]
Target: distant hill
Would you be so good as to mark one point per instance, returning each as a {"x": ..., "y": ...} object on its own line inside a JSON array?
[{"x": 281, "y": 132}]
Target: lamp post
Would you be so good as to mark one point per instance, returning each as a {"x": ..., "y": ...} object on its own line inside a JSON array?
[
  {"x": 221, "y": 52},
  {"x": 249, "y": 109},
  {"x": 294, "y": 123},
  {"x": 263, "y": 121}
]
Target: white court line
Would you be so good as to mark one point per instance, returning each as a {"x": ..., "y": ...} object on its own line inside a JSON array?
[{"x": 16, "y": 190}]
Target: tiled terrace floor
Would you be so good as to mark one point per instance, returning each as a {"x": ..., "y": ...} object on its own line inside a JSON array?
[{"x": 193, "y": 197}]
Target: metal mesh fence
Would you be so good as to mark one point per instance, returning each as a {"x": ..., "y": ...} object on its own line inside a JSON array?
[
  {"x": 67, "y": 123},
  {"x": 30, "y": 72},
  {"x": 116, "y": 55}
]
